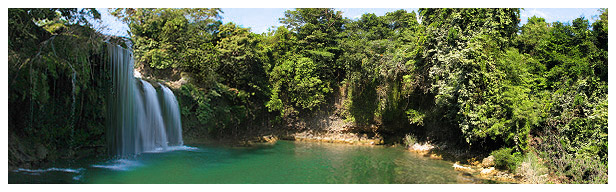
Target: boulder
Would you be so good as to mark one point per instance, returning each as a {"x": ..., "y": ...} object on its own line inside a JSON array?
[
  {"x": 421, "y": 148},
  {"x": 270, "y": 139},
  {"x": 459, "y": 167},
  {"x": 436, "y": 156},
  {"x": 488, "y": 161},
  {"x": 488, "y": 171}
]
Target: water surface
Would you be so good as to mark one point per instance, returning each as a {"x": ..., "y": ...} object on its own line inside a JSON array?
[{"x": 283, "y": 162}]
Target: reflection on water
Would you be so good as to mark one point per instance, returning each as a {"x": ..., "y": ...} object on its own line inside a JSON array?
[{"x": 284, "y": 162}]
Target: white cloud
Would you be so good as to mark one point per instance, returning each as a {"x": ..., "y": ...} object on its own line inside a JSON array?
[{"x": 533, "y": 12}]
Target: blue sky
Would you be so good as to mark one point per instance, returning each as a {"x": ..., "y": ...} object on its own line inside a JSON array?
[
  {"x": 260, "y": 19},
  {"x": 562, "y": 15}
]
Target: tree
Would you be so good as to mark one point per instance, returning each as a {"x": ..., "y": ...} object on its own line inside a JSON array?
[
  {"x": 302, "y": 75},
  {"x": 600, "y": 32},
  {"x": 162, "y": 36},
  {"x": 24, "y": 32},
  {"x": 461, "y": 50},
  {"x": 532, "y": 33},
  {"x": 377, "y": 53}
]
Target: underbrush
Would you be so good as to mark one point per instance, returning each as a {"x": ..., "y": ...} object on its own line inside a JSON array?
[
  {"x": 506, "y": 159},
  {"x": 532, "y": 169},
  {"x": 409, "y": 140}
]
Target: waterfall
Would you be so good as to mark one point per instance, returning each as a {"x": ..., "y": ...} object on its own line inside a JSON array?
[
  {"x": 121, "y": 111},
  {"x": 141, "y": 118},
  {"x": 152, "y": 128},
  {"x": 171, "y": 111}
]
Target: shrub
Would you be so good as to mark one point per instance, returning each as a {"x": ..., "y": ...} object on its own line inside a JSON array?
[
  {"x": 409, "y": 140},
  {"x": 532, "y": 169},
  {"x": 505, "y": 159},
  {"x": 570, "y": 168}
]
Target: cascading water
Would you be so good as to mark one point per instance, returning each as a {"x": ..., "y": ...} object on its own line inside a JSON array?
[
  {"x": 171, "y": 111},
  {"x": 122, "y": 124},
  {"x": 138, "y": 121},
  {"x": 152, "y": 127}
]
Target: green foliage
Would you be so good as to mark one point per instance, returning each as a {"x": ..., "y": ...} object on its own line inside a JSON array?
[
  {"x": 361, "y": 104},
  {"x": 473, "y": 88},
  {"x": 219, "y": 110},
  {"x": 533, "y": 169},
  {"x": 575, "y": 128},
  {"x": 377, "y": 51},
  {"x": 600, "y": 28},
  {"x": 164, "y": 37},
  {"x": 296, "y": 82},
  {"x": 532, "y": 33},
  {"x": 507, "y": 113},
  {"x": 57, "y": 79},
  {"x": 241, "y": 59},
  {"x": 415, "y": 117},
  {"x": 300, "y": 72},
  {"x": 316, "y": 28},
  {"x": 506, "y": 159},
  {"x": 25, "y": 33},
  {"x": 200, "y": 106},
  {"x": 409, "y": 140},
  {"x": 554, "y": 83},
  {"x": 571, "y": 167}
]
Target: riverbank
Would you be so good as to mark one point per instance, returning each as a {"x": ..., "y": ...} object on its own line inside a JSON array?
[
  {"x": 344, "y": 138},
  {"x": 347, "y": 138},
  {"x": 466, "y": 162}
]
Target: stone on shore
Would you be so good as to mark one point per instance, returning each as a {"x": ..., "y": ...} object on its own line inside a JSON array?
[
  {"x": 270, "y": 139},
  {"x": 421, "y": 148},
  {"x": 488, "y": 161},
  {"x": 488, "y": 171},
  {"x": 459, "y": 167}
]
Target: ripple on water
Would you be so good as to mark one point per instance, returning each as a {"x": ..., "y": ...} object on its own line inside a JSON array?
[
  {"x": 119, "y": 165},
  {"x": 172, "y": 148},
  {"x": 41, "y": 172},
  {"x": 126, "y": 164},
  {"x": 53, "y": 169}
]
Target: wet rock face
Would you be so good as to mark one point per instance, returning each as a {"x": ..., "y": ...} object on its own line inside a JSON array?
[{"x": 25, "y": 154}]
